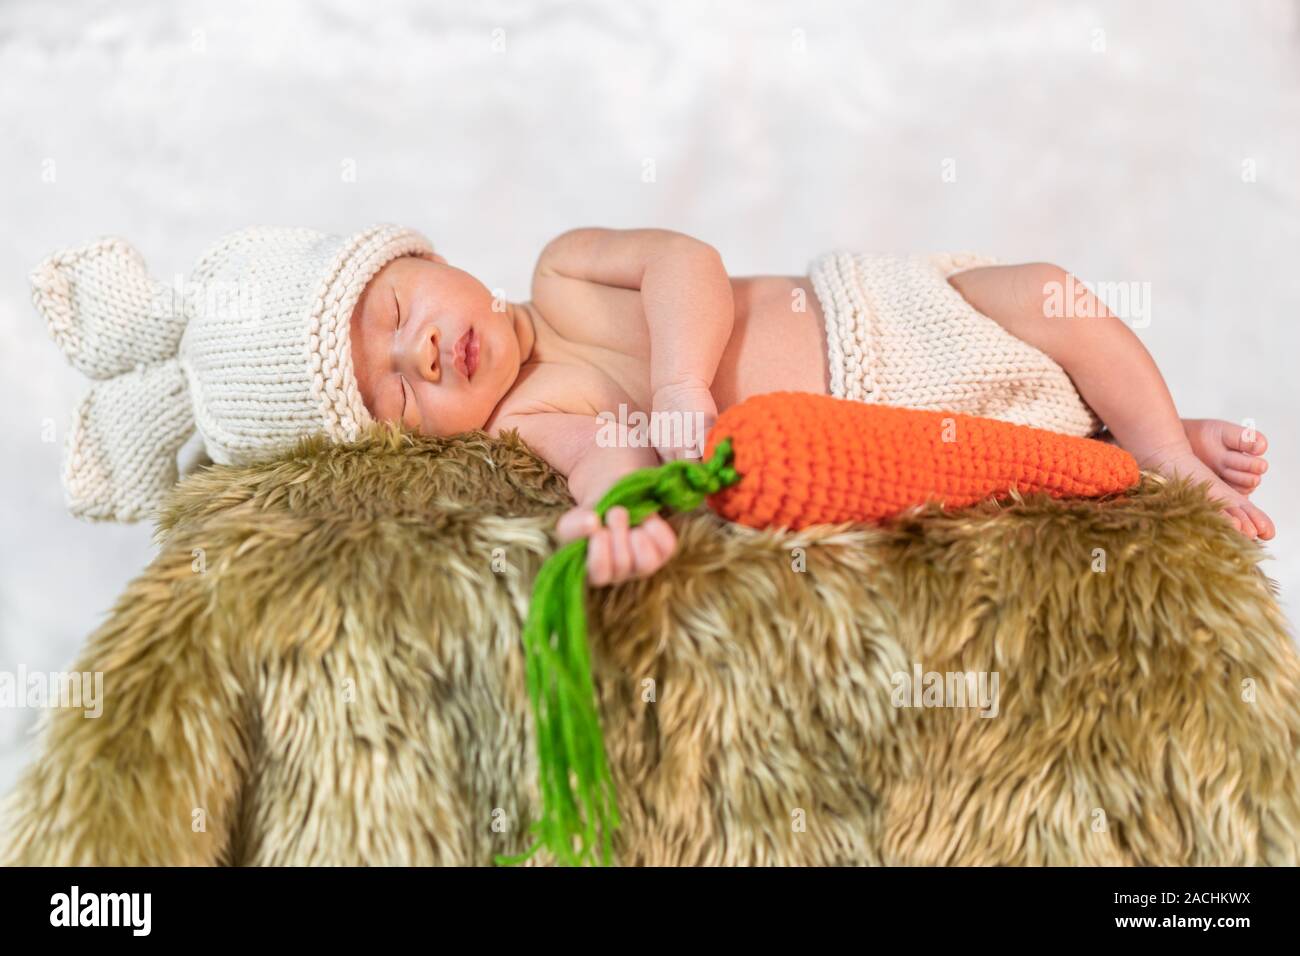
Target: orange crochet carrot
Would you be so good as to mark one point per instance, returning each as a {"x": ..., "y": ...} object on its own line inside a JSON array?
[
  {"x": 781, "y": 460},
  {"x": 810, "y": 459}
]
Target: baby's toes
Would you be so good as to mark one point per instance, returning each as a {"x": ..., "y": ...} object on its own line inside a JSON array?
[
  {"x": 1263, "y": 523},
  {"x": 1238, "y": 438},
  {"x": 1241, "y": 471},
  {"x": 1250, "y": 464},
  {"x": 1243, "y": 482},
  {"x": 1238, "y": 517}
]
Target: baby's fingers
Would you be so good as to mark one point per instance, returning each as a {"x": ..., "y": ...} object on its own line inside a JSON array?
[
  {"x": 576, "y": 523},
  {"x": 598, "y": 567},
  {"x": 618, "y": 553},
  {"x": 647, "y": 556},
  {"x": 608, "y": 558},
  {"x": 620, "y": 547},
  {"x": 661, "y": 537}
]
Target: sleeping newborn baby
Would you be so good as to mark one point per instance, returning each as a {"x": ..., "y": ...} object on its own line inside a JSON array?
[
  {"x": 631, "y": 343},
  {"x": 649, "y": 320}
]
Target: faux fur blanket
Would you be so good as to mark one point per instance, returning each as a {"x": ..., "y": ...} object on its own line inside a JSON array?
[{"x": 323, "y": 665}]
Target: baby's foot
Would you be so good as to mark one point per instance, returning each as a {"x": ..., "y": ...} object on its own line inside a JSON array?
[
  {"x": 1180, "y": 459},
  {"x": 1231, "y": 451}
]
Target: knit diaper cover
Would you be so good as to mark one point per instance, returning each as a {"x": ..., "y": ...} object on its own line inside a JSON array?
[{"x": 898, "y": 334}]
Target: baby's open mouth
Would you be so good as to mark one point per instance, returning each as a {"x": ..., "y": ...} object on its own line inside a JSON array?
[{"x": 466, "y": 353}]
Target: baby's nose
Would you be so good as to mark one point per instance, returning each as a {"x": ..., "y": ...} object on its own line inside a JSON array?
[{"x": 428, "y": 355}]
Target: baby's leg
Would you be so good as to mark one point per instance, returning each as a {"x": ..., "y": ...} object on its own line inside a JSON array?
[{"x": 1111, "y": 369}]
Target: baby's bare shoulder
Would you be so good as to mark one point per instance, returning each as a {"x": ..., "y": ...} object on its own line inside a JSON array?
[
  {"x": 560, "y": 438},
  {"x": 538, "y": 394}
]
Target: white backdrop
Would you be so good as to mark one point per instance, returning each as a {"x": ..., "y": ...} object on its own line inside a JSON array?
[{"x": 1155, "y": 143}]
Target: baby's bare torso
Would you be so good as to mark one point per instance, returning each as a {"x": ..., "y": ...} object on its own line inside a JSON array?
[{"x": 592, "y": 351}]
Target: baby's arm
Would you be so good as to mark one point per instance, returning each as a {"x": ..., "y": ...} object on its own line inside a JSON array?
[
  {"x": 615, "y": 552},
  {"x": 685, "y": 294},
  {"x": 1108, "y": 364}
]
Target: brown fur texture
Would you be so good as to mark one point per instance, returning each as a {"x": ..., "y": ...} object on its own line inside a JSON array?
[{"x": 323, "y": 666}]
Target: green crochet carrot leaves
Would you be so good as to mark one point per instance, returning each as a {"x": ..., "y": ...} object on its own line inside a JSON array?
[
  {"x": 807, "y": 459},
  {"x": 579, "y": 804}
]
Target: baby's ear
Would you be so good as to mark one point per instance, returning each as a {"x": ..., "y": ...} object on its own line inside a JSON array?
[{"x": 104, "y": 311}]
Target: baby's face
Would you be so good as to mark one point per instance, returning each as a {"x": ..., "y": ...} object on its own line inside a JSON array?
[{"x": 428, "y": 350}]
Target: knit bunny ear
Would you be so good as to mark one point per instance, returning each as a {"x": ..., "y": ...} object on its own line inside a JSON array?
[
  {"x": 120, "y": 327},
  {"x": 121, "y": 455},
  {"x": 104, "y": 311}
]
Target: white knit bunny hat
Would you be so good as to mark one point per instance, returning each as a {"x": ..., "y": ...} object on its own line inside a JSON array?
[{"x": 254, "y": 351}]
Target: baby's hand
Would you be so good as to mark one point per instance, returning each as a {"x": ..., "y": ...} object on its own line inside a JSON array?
[
  {"x": 685, "y": 412},
  {"x": 616, "y": 552}
]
